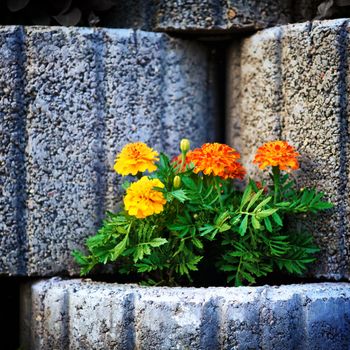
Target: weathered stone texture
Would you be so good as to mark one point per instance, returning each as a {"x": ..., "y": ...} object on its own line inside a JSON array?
[
  {"x": 70, "y": 99},
  {"x": 12, "y": 144},
  {"x": 294, "y": 86},
  {"x": 80, "y": 314},
  {"x": 204, "y": 17},
  {"x": 219, "y": 15}
]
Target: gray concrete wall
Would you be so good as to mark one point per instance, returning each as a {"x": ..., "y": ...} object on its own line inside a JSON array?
[
  {"x": 70, "y": 98},
  {"x": 291, "y": 83},
  {"x": 80, "y": 314}
]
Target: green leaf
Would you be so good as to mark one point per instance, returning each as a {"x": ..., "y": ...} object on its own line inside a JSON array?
[
  {"x": 283, "y": 204},
  {"x": 254, "y": 199},
  {"x": 323, "y": 205},
  {"x": 180, "y": 195},
  {"x": 243, "y": 227},
  {"x": 255, "y": 223},
  {"x": 197, "y": 243},
  {"x": 119, "y": 249},
  {"x": 207, "y": 229},
  {"x": 236, "y": 220},
  {"x": 268, "y": 224},
  {"x": 246, "y": 196},
  {"x": 277, "y": 219},
  {"x": 265, "y": 213},
  {"x": 228, "y": 268},
  {"x": 262, "y": 204},
  {"x": 224, "y": 227},
  {"x": 80, "y": 258},
  {"x": 156, "y": 242}
]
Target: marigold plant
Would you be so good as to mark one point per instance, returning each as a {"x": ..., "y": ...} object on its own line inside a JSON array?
[{"x": 188, "y": 219}]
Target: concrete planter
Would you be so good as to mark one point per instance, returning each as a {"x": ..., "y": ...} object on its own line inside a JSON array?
[
  {"x": 70, "y": 98},
  {"x": 291, "y": 83},
  {"x": 80, "y": 314}
]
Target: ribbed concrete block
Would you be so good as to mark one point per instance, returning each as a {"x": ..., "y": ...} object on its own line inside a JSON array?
[
  {"x": 206, "y": 17},
  {"x": 71, "y": 98},
  {"x": 219, "y": 15},
  {"x": 80, "y": 314},
  {"x": 294, "y": 86}
]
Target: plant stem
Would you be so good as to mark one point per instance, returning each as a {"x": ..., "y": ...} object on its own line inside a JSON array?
[
  {"x": 276, "y": 182},
  {"x": 217, "y": 185},
  {"x": 183, "y": 160}
]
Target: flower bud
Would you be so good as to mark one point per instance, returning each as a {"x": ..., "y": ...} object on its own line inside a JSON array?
[
  {"x": 177, "y": 181},
  {"x": 184, "y": 145}
]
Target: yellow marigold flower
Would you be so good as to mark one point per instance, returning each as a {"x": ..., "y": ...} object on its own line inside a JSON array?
[
  {"x": 142, "y": 199},
  {"x": 277, "y": 153},
  {"x": 217, "y": 159},
  {"x": 135, "y": 157}
]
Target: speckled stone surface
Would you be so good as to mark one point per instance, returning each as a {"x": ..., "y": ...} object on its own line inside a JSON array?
[
  {"x": 221, "y": 15},
  {"x": 70, "y": 99},
  {"x": 294, "y": 86},
  {"x": 208, "y": 17},
  {"x": 12, "y": 145},
  {"x": 80, "y": 314}
]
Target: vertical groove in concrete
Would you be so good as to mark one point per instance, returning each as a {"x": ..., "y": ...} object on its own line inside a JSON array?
[
  {"x": 119, "y": 56},
  {"x": 181, "y": 83},
  {"x": 12, "y": 158},
  {"x": 64, "y": 320},
  {"x": 210, "y": 325},
  {"x": 233, "y": 94},
  {"x": 343, "y": 44},
  {"x": 129, "y": 332},
  {"x": 21, "y": 212},
  {"x": 346, "y": 134},
  {"x": 282, "y": 320},
  {"x": 21, "y": 217},
  {"x": 100, "y": 165},
  {"x": 150, "y": 53}
]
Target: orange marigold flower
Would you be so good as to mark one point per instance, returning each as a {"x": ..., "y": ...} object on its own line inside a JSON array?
[
  {"x": 217, "y": 159},
  {"x": 277, "y": 153},
  {"x": 142, "y": 199},
  {"x": 135, "y": 157}
]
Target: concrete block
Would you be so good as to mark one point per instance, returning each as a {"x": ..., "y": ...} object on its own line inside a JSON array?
[
  {"x": 294, "y": 86},
  {"x": 71, "y": 98},
  {"x": 80, "y": 314},
  {"x": 206, "y": 17}
]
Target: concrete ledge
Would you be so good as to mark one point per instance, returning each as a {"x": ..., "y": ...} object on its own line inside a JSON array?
[
  {"x": 70, "y": 98},
  {"x": 291, "y": 83},
  {"x": 80, "y": 314}
]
